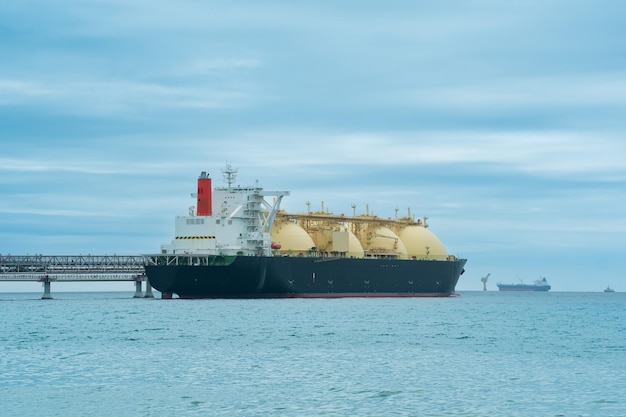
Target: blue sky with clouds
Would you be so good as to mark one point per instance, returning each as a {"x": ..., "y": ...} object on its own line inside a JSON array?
[{"x": 503, "y": 123}]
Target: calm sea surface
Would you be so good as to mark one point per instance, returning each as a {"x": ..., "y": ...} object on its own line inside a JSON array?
[{"x": 481, "y": 354}]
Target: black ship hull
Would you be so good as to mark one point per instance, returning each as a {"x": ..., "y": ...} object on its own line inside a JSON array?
[{"x": 304, "y": 277}]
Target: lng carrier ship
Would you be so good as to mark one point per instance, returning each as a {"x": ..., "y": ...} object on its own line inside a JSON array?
[{"x": 236, "y": 244}]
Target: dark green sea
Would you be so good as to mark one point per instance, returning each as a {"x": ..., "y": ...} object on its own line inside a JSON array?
[{"x": 480, "y": 354}]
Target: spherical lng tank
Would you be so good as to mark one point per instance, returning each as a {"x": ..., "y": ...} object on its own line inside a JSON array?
[
  {"x": 355, "y": 248},
  {"x": 421, "y": 243},
  {"x": 292, "y": 238}
]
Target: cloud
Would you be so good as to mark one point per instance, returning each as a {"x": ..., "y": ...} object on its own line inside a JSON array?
[
  {"x": 199, "y": 66},
  {"x": 121, "y": 97},
  {"x": 530, "y": 152},
  {"x": 17, "y": 91},
  {"x": 522, "y": 93}
]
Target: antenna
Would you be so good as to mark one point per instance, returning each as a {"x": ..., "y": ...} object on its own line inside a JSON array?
[
  {"x": 484, "y": 281},
  {"x": 230, "y": 175}
]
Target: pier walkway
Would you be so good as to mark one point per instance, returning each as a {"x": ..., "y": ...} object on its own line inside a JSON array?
[{"x": 68, "y": 268}]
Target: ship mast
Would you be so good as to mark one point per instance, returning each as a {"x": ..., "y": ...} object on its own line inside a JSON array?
[{"x": 230, "y": 175}]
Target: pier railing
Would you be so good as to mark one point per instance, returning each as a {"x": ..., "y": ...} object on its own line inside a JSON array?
[{"x": 25, "y": 264}]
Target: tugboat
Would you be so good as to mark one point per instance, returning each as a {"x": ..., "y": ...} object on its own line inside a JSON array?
[{"x": 235, "y": 244}]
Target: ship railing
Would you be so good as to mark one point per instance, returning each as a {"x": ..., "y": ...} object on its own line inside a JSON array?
[{"x": 185, "y": 260}]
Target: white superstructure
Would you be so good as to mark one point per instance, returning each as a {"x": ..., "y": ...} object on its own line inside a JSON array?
[{"x": 226, "y": 221}]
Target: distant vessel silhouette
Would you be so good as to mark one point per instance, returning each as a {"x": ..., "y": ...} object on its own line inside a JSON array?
[{"x": 538, "y": 285}]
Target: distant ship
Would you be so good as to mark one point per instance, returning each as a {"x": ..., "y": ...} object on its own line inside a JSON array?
[
  {"x": 235, "y": 244},
  {"x": 538, "y": 285},
  {"x": 609, "y": 289}
]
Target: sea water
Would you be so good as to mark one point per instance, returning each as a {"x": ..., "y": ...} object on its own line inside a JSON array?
[{"x": 480, "y": 354}]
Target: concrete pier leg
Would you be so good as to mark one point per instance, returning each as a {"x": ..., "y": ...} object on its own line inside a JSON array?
[
  {"x": 138, "y": 293},
  {"x": 148, "y": 290},
  {"x": 46, "y": 290}
]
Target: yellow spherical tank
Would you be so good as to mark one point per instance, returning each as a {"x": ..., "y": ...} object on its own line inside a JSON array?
[
  {"x": 355, "y": 249},
  {"x": 384, "y": 242},
  {"x": 292, "y": 238},
  {"x": 421, "y": 243}
]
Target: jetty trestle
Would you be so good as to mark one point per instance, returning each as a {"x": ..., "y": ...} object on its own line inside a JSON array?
[{"x": 75, "y": 268}]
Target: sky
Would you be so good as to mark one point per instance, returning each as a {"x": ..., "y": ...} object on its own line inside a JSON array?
[{"x": 501, "y": 122}]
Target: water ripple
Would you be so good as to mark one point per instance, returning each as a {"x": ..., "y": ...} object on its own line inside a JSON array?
[{"x": 475, "y": 355}]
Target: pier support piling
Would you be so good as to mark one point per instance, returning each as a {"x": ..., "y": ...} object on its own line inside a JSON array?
[
  {"x": 138, "y": 293},
  {"x": 148, "y": 290},
  {"x": 46, "y": 290}
]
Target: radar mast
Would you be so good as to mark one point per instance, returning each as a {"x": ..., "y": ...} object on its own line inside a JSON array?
[{"x": 230, "y": 175}]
